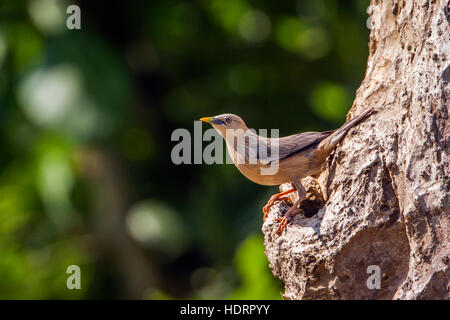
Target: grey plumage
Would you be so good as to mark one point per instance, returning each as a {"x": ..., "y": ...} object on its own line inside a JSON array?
[{"x": 295, "y": 143}]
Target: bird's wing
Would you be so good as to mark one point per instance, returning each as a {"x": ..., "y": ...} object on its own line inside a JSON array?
[{"x": 291, "y": 145}]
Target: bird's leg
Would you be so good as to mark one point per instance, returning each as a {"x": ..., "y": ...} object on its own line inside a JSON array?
[
  {"x": 275, "y": 198},
  {"x": 293, "y": 210}
]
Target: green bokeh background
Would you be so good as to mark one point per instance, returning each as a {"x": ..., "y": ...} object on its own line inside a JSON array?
[{"x": 86, "y": 118}]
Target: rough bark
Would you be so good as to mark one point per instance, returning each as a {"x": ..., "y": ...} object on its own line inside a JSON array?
[{"x": 386, "y": 186}]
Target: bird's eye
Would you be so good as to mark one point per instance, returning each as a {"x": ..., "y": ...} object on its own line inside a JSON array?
[{"x": 228, "y": 120}]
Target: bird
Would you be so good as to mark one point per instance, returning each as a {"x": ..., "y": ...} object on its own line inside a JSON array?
[{"x": 295, "y": 157}]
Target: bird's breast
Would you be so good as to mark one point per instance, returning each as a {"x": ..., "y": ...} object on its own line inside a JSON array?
[{"x": 254, "y": 172}]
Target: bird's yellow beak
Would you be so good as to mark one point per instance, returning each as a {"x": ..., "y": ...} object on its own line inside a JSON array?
[
  {"x": 212, "y": 120},
  {"x": 207, "y": 119}
]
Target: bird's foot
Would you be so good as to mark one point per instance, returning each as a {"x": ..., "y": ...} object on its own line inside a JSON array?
[
  {"x": 284, "y": 221},
  {"x": 274, "y": 199},
  {"x": 271, "y": 203}
]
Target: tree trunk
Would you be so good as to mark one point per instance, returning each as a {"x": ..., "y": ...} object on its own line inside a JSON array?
[{"x": 386, "y": 186}]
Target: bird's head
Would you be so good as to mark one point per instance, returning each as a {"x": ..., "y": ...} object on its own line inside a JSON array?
[{"x": 225, "y": 122}]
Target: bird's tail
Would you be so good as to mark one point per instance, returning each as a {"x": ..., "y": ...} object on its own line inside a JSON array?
[{"x": 328, "y": 144}]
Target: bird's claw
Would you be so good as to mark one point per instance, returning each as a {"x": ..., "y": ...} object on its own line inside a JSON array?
[
  {"x": 274, "y": 199},
  {"x": 270, "y": 203},
  {"x": 284, "y": 221}
]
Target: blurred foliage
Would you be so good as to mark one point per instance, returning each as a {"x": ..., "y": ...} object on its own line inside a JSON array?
[
  {"x": 257, "y": 281},
  {"x": 86, "y": 118}
]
